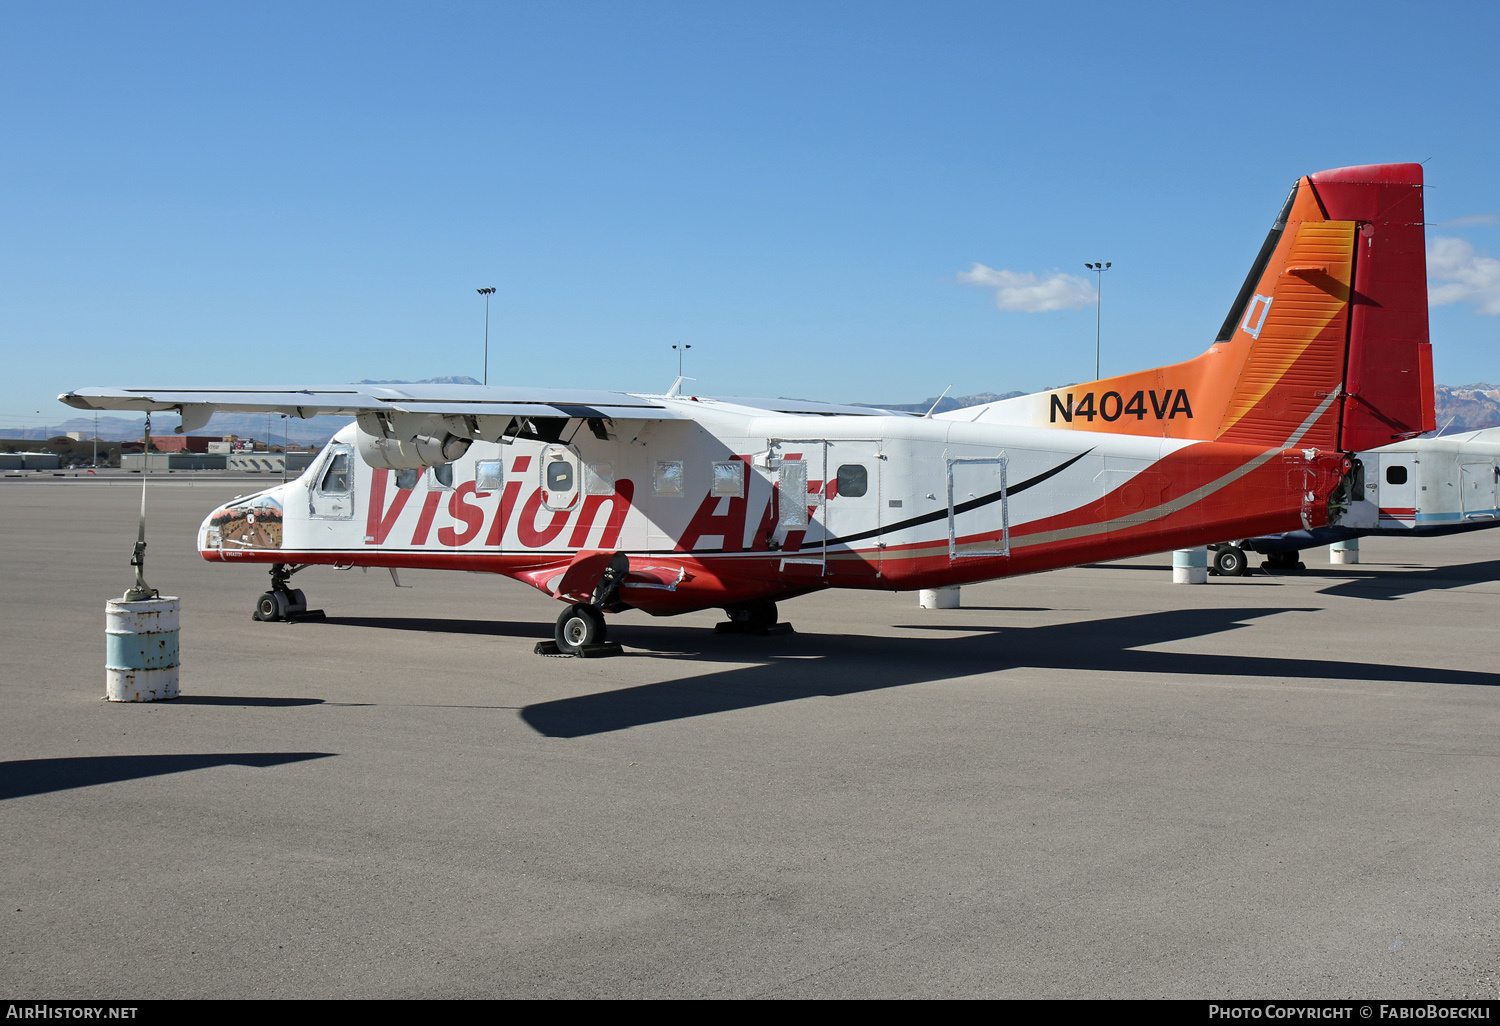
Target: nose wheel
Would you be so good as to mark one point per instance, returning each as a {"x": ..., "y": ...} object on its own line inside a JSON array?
[{"x": 284, "y": 602}]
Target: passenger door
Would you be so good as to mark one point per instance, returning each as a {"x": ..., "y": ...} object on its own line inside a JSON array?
[{"x": 852, "y": 508}]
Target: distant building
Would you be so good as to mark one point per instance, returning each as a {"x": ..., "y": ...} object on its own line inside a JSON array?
[
  {"x": 271, "y": 462},
  {"x": 171, "y": 461},
  {"x": 183, "y": 443},
  {"x": 30, "y": 461}
]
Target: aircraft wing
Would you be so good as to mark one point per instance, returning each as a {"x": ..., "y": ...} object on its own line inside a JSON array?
[
  {"x": 806, "y": 407},
  {"x": 197, "y": 405}
]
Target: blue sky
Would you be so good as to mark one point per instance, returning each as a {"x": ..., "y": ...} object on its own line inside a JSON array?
[{"x": 303, "y": 194}]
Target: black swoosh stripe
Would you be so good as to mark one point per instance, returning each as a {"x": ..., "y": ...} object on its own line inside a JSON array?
[{"x": 962, "y": 507}]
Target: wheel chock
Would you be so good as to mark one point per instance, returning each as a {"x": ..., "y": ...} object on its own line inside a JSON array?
[{"x": 608, "y": 648}]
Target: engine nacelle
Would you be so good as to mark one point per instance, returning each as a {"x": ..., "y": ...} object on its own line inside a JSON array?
[{"x": 405, "y": 441}]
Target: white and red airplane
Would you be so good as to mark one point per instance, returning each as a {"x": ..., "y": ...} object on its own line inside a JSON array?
[{"x": 669, "y": 503}]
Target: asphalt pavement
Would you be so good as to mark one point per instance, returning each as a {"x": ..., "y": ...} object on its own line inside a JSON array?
[{"x": 1089, "y": 783}]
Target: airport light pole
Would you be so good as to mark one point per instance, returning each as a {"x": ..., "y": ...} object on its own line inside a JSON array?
[
  {"x": 486, "y": 293},
  {"x": 1098, "y": 268},
  {"x": 680, "y": 350}
]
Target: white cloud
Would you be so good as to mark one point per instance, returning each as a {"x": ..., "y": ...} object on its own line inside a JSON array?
[
  {"x": 1026, "y": 293},
  {"x": 1471, "y": 219},
  {"x": 1457, "y": 274}
]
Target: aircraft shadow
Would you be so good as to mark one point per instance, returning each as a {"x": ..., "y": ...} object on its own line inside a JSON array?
[
  {"x": 802, "y": 666},
  {"x": 497, "y": 628},
  {"x": 1386, "y": 586},
  {"x": 40, "y": 776}
]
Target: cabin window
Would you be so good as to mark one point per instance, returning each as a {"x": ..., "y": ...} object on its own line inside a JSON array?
[
  {"x": 336, "y": 477},
  {"x": 729, "y": 479},
  {"x": 793, "y": 498},
  {"x": 598, "y": 479},
  {"x": 668, "y": 478},
  {"x": 406, "y": 480},
  {"x": 488, "y": 475},
  {"x": 442, "y": 477},
  {"x": 559, "y": 476},
  {"x": 853, "y": 481},
  {"x": 1395, "y": 475}
]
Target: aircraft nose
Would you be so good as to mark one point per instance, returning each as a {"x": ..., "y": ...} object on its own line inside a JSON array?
[{"x": 246, "y": 523}]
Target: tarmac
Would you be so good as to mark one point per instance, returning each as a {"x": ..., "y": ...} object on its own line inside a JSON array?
[{"x": 1089, "y": 783}]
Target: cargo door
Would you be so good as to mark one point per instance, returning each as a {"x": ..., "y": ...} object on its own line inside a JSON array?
[
  {"x": 1477, "y": 491},
  {"x": 978, "y": 508}
]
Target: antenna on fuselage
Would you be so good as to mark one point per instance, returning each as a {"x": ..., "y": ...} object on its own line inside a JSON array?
[
  {"x": 676, "y": 388},
  {"x": 928, "y": 414}
]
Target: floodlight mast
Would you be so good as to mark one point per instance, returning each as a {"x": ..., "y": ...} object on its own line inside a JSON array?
[
  {"x": 486, "y": 293},
  {"x": 1098, "y": 267}
]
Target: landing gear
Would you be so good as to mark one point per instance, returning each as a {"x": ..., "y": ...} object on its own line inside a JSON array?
[
  {"x": 579, "y": 625},
  {"x": 283, "y": 602},
  {"x": 1230, "y": 561},
  {"x": 579, "y": 632},
  {"x": 748, "y": 618},
  {"x": 1284, "y": 562}
]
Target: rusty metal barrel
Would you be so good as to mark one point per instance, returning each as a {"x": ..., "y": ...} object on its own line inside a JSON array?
[{"x": 141, "y": 656}]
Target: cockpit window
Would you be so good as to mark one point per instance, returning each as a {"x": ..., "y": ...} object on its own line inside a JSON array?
[{"x": 336, "y": 477}]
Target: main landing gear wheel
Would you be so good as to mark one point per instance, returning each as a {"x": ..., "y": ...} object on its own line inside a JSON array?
[
  {"x": 1284, "y": 562},
  {"x": 579, "y": 625},
  {"x": 1230, "y": 561},
  {"x": 751, "y": 617}
]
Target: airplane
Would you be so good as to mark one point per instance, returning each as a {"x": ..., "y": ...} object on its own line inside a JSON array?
[
  {"x": 1421, "y": 488},
  {"x": 670, "y": 503}
]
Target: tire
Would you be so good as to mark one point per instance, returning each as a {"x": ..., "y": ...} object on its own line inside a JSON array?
[
  {"x": 580, "y": 625},
  {"x": 1230, "y": 561},
  {"x": 1284, "y": 562},
  {"x": 753, "y": 617},
  {"x": 271, "y": 607}
]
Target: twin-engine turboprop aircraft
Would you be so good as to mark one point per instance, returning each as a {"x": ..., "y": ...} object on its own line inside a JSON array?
[{"x": 669, "y": 503}]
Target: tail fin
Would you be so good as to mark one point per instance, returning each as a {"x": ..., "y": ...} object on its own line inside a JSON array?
[{"x": 1326, "y": 345}]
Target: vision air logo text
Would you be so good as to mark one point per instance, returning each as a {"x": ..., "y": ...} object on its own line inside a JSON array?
[{"x": 1111, "y": 406}]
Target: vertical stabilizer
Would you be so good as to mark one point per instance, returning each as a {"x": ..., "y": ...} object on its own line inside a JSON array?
[
  {"x": 1388, "y": 378},
  {"x": 1324, "y": 347}
]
